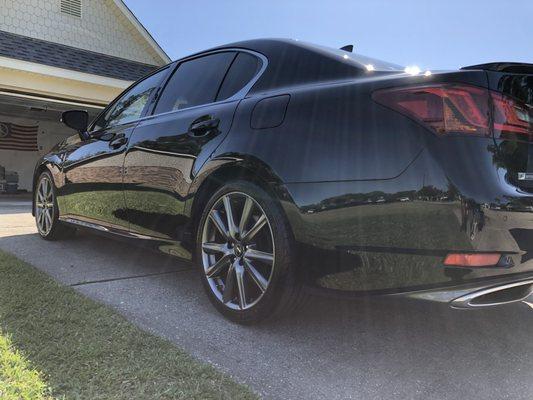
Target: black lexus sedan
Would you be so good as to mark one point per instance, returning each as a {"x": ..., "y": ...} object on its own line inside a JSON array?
[{"x": 277, "y": 165}]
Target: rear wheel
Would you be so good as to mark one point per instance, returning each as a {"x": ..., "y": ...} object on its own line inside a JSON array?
[
  {"x": 46, "y": 210},
  {"x": 245, "y": 255}
]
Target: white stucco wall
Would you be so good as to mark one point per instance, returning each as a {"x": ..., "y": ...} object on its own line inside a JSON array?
[{"x": 103, "y": 28}]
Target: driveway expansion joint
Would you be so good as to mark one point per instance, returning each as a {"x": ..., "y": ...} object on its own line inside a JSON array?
[{"x": 130, "y": 277}]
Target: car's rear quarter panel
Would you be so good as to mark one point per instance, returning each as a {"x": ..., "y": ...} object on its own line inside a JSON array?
[{"x": 330, "y": 133}]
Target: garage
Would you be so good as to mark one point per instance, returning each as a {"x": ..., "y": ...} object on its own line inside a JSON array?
[
  {"x": 29, "y": 128},
  {"x": 56, "y": 59}
]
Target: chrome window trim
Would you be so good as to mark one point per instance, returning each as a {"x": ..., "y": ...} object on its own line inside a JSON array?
[
  {"x": 241, "y": 94},
  {"x": 245, "y": 89}
]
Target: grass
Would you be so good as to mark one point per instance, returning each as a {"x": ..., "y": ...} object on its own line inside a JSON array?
[
  {"x": 85, "y": 350},
  {"x": 17, "y": 379}
]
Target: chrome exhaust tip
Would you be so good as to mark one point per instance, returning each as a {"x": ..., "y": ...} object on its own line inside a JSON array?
[{"x": 494, "y": 296}]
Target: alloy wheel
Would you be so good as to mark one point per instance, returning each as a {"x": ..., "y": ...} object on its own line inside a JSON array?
[
  {"x": 44, "y": 206},
  {"x": 238, "y": 250}
]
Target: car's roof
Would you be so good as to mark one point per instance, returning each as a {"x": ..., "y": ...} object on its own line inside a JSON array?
[
  {"x": 272, "y": 43},
  {"x": 293, "y": 62}
]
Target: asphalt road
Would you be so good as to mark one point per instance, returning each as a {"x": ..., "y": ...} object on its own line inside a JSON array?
[{"x": 367, "y": 349}]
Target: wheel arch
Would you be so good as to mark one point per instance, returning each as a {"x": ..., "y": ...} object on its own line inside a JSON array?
[{"x": 217, "y": 172}]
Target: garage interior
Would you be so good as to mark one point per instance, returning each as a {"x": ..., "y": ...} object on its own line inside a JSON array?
[{"x": 16, "y": 166}]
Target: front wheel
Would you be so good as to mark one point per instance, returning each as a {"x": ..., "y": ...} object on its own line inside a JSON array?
[
  {"x": 46, "y": 210},
  {"x": 245, "y": 254}
]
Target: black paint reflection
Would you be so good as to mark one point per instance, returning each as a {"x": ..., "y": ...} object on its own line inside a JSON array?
[{"x": 400, "y": 230}]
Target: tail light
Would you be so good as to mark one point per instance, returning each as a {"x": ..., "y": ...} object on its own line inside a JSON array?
[
  {"x": 460, "y": 109},
  {"x": 512, "y": 118}
]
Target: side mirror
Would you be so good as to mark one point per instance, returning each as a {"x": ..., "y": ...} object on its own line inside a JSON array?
[{"x": 77, "y": 120}]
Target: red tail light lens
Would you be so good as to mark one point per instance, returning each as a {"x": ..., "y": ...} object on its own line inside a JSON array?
[
  {"x": 463, "y": 109},
  {"x": 512, "y": 118},
  {"x": 446, "y": 108}
]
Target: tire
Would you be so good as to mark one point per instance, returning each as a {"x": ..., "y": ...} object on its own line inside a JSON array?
[
  {"x": 262, "y": 261},
  {"x": 46, "y": 210}
]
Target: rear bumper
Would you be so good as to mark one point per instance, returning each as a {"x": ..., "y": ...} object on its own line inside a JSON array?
[
  {"x": 474, "y": 295},
  {"x": 401, "y": 247}
]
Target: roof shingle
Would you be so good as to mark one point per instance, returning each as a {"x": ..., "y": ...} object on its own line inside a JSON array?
[{"x": 62, "y": 56}]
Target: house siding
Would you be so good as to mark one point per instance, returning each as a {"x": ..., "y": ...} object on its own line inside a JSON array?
[{"x": 102, "y": 28}]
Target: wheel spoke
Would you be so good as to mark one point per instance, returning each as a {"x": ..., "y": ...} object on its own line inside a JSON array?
[
  {"x": 241, "y": 292},
  {"x": 48, "y": 218},
  {"x": 216, "y": 268},
  {"x": 227, "y": 294},
  {"x": 253, "y": 254},
  {"x": 246, "y": 211},
  {"x": 255, "y": 229},
  {"x": 40, "y": 218},
  {"x": 46, "y": 189},
  {"x": 229, "y": 213},
  {"x": 214, "y": 215},
  {"x": 214, "y": 248},
  {"x": 259, "y": 280},
  {"x": 40, "y": 192},
  {"x": 43, "y": 221}
]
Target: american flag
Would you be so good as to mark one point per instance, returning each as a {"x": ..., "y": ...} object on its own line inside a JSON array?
[{"x": 18, "y": 137}]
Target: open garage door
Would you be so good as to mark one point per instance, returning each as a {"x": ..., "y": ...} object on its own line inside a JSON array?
[{"x": 29, "y": 128}]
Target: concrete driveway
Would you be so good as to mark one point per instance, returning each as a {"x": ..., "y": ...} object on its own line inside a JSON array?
[{"x": 368, "y": 349}]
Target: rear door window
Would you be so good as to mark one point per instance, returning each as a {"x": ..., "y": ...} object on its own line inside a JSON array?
[
  {"x": 195, "y": 82},
  {"x": 242, "y": 71}
]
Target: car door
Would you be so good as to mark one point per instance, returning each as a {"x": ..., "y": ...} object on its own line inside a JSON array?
[
  {"x": 191, "y": 118},
  {"x": 93, "y": 168}
]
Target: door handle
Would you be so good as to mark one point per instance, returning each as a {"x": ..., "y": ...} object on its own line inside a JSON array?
[
  {"x": 118, "y": 142},
  {"x": 203, "y": 126}
]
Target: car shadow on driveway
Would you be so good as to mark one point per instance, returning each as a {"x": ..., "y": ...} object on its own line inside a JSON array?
[{"x": 85, "y": 258}]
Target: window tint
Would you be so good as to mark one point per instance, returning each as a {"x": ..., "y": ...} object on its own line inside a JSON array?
[
  {"x": 132, "y": 103},
  {"x": 241, "y": 72},
  {"x": 195, "y": 82}
]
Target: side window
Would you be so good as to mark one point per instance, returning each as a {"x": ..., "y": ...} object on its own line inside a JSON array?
[
  {"x": 195, "y": 82},
  {"x": 243, "y": 69},
  {"x": 131, "y": 104}
]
